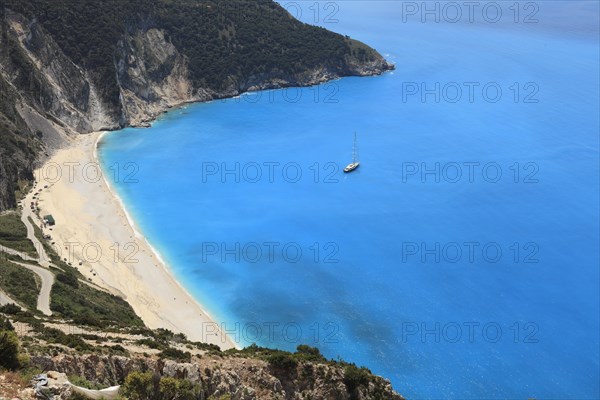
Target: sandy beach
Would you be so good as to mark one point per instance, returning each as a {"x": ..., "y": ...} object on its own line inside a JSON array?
[{"x": 93, "y": 228}]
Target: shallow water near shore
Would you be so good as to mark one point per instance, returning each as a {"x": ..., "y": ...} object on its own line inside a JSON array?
[{"x": 460, "y": 260}]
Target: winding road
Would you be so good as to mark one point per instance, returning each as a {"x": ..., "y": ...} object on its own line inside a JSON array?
[
  {"x": 43, "y": 270},
  {"x": 12, "y": 252},
  {"x": 43, "y": 259},
  {"x": 47, "y": 278}
]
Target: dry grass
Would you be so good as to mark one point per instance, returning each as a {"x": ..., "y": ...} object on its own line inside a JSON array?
[{"x": 11, "y": 385}]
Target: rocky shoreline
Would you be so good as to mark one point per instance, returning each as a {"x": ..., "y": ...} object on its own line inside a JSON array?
[{"x": 258, "y": 83}]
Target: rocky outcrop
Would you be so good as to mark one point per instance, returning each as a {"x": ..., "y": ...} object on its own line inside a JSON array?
[
  {"x": 64, "y": 92},
  {"x": 240, "y": 378},
  {"x": 152, "y": 76}
]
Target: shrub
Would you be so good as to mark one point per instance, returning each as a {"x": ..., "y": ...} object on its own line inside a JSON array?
[
  {"x": 355, "y": 377},
  {"x": 9, "y": 350},
  {"x": 68, "y": 279},
  {"x": 5, "y": 325},
  {"x": 145, "y": 386},
  {"x": 206, "y": 346},
  {"x": 168, "y": 387},
  {"x": 153, "y": 344},
  {"x": 117, "y": 349},
  {"x": 138, "y": 386},
  {"x": 52, "y": 335},
  {"x": 283, "y": 361},
  {"x": 308, "y": 353},
  {"x": 10, "y": 309},
  {"x": 83, "y": 382},
  {"x": 187, "y": 390},
  {"x": 24, "y": 360},
  {"x": 176, "y": 355},
  {"x": 163, "y": 334}
]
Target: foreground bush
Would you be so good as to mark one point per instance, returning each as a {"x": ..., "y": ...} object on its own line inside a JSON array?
[
  {"x": 5, "y": 325},
  {"x": 355, "y": 377},
  {"x": 9, "y": 350},
  {"x": 283, "y": 361},
  {"x": 10, "y": 309},
  {"x": 176, "y": 355},
  {"x": 145, "y": 386}
]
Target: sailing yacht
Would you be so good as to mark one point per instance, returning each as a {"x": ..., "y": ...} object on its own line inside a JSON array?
[{"x": 355, "y": 163}]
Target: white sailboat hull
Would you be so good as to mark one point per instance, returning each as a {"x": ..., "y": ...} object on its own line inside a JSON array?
[{"x": 351, "y": 167}]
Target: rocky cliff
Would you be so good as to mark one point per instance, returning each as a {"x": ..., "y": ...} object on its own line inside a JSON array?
[
  {"x": 238, "y": 378},
  {"x": 74, "y": 67},
  {"x": 142, "y": 361}
]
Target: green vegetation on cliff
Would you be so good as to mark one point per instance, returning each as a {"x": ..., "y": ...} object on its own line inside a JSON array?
[
  {"x": 13, "y": 234},
  {"x": 19, "y": 283},
  {"x": 225, "y": 41},
  {"x": 9, "y": 349},
  {"x": 146, "y": 386},
  {"x": 88, "y": 306}
]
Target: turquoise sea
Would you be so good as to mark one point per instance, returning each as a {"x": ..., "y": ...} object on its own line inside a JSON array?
[{"x": 460, "y": 260}]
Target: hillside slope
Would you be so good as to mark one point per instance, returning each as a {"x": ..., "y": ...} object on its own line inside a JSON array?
[
  {"x": 144, "y": 361},
  {"x": 71, "y": 66}
]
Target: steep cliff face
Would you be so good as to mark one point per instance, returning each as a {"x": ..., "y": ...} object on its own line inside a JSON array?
[
  {"x": 65, "y": 92},
  {"x": 152, "y": 76},
  {"x": 18, "y": 143},
  {"x": 44, "y": 98},
  {"x": 240, "y": 378},
  {"x": 75, "y": 67}
]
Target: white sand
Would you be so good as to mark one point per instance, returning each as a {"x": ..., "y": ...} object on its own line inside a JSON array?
[{"x": 89, "y": 213}]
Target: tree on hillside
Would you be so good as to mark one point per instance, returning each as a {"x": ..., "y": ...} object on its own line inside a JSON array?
[{"x": 9, "y": 350}]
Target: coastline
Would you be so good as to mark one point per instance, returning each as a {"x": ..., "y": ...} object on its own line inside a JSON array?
[
  {"x": 91, "y": 218},
  {"x": 136, "y": 288}
]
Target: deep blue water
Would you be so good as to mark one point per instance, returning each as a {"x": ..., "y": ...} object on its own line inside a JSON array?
[{"x": 447, "y": 323}]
